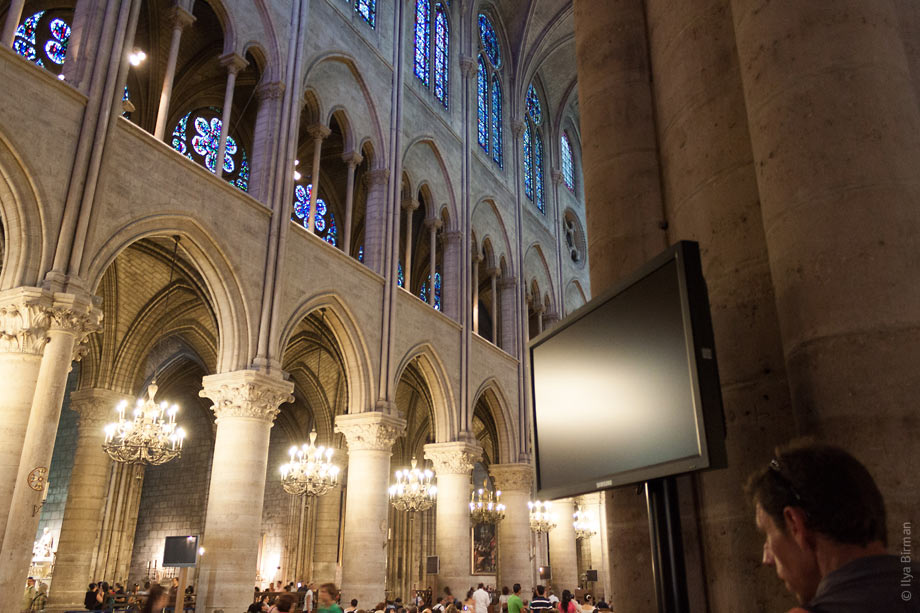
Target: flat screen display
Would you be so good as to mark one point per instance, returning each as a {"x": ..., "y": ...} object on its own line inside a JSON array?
[
  {"x": 624, "y": 388},
  {"x": 180, "y": 551}
]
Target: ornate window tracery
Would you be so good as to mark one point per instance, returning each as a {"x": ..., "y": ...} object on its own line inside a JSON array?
[
  {"x": 533, "y": 150},
  {"x": 323, "y": 224},
  {"x": 568, "y": 166},
  {"x": 489, "y": 92},
  {"x": 42, "y": 38},
  {"x": 197, "y": 137},
  {"x": 434, "y": 40}
]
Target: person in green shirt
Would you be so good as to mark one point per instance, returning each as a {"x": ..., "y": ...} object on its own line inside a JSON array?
[
  {"x": 515, "y": 604},
  {"x": 325, "y": 598}
]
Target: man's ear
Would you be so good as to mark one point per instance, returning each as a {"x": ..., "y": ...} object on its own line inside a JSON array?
[{"x": 796, "y": 527}]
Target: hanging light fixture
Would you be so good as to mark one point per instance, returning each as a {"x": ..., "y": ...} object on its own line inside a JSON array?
[
  {"x": 485, "y": 506},
  {"x": 413, "y": 490},
  {"x": 542, "y": 519},
  {"x": 310, "y": 471},
  {"x": 583, "y": 523},
  {"x": 151, "y": 435}
]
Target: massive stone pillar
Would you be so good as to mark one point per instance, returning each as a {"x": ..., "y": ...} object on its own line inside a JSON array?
[
  {"x": 245, "y": 403},
  {"x": 115, "y": 547},
  {"x": 711, "y": 196},
  {"x": 451, "y": 300},
  {"x": 86, "y": 498},
  {"x": 24, "y": 320},
  {"x": 11, "y": 23},
  {"x": 562, "y": 555},
  {"x": 619, "y": 152},
  {"x": 835, "y": 128},
  {"x": 326, "y": 534},
  {"x": 515, "y": 482},
  {"x": 370, "y": 438},
  {"x": 72, "y": 317},
  {"x": 453, "y": 464}
]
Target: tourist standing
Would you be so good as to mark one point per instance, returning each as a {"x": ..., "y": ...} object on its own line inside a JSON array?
[
  {"x": 514, "y": 603},
  {"x": 326, "y": 599},
  {"x": 481, "y": 599},
  {"x": 156, "y": 599}
]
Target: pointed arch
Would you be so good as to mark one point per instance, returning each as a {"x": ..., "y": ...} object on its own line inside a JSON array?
[
  {"x": 446, "y": 419},
  {"x": 491, "y": 396},
  {"x": 25, "y": 253}
]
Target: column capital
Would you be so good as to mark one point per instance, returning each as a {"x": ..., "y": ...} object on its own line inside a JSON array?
[
  {"x": 495, "y": 271},
  {"x": 506, "y": 282},
  {"x": 318, "y": 131},
  {"x": 409, "y": 204},
  {"x": 233, "y": 62},
  {"x": 270, "y": 91},
  {"x": 246, "y": 393},
  {"x": 556, "y": 175},
  {"x": 467, "y": 66},
  {"x": 476, "y": 258},
  {"x": 453, "y": 458},
  {"x": 352, "y": 158},
  {"x": 550, "y": 317},
  {"x": 78, "y": 315},
  {"x": 452, "y": 236},
  {"x": 515, "y": 477},
  {"x": 24, "y": 320},
  {"x": 95, "y": 408},
  {"x": 433, "y": 223},
  {"x": 179, "y": 18},
  {"x": 378, "y": 176},
  {"x": 517, "y": 128},
  {"x": 370, "y": 431}
]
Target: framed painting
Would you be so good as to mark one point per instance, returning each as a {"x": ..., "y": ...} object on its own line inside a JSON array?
[{"x": 484, "y": 558}]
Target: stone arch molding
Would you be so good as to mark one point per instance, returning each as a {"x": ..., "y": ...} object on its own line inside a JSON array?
[
  {"x": 342, "y": 323},
  {"x": 490, "y": 391},
  {"x": 209, "y": 258},
  {"x": 444, "y": 409},
  {"x": 26, "y": 253}
]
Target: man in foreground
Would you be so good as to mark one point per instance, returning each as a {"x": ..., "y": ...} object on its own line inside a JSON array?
[
  {"x": 515, "y": 604},
  {"x": 823, "y": 519}
]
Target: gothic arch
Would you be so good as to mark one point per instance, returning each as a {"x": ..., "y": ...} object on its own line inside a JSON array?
[
  {"x": 574, "y": 296},
  {"x": 491, "y": 395},
  {"x": 536, "y": 269},
  {"x": 417, "y": 161},
  {"x": 25, "y": 254},
  {"x": 487, "y": 222},
  {"x": 446, "y": 420}
]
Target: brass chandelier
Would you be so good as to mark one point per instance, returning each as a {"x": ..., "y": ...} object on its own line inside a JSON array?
[
  {"x": 310, "y": 471},
  {"x": 485, "y": 506},
  {"x": 583, "y": 523},
  {"x": 542, "y": 519},
  {"x": 413, "y": 490}
]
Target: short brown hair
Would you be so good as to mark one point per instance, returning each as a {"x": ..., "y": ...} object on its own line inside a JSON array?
[
  {"x": 838, "y": 495},
  {"x": 285, "y": 602},
  {"x": 330, "y": 589}
]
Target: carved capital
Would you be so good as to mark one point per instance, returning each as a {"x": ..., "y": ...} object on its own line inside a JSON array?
[
  {"x": 409, "y": 204},
  {"x": 556, "y": 176},
  {"x": 512, "y": 477},
  {"x": 517, "y": 128},
  {"x": 179, "y": 18},
  {"x": 453, "y": 237},
  {"x": 318, "y": 131},
  {"x": 270, "y": 91},
  {"x": 246, "y": 394},
  {"x": 495, "y": 271},
  {"x": 78, "y": 315},
  {"x": 433, "y": 223},
  {"x": 352, "y": 158},
  {"x": 378, "y": 177},
  {"x": 233, "y": 62},
  {"x": 467, "y": 66},
  {"x": 456, "y": 458},
  {"x": 24, "y": 320},
  {"x": 96, "y": 407},
  {"x": 370, "y": 431}
]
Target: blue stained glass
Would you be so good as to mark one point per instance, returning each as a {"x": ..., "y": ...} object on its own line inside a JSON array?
[
  {"x": 207, "y": 142},
  {"x": 482, "y": 101},
  {"x": 27, "y": 29},
  {"x": 323, "y": 224},
  {"x": 538, "y": 170},
  {"x": 496, "y": 121},
  {"x": 528, "y": 164},
  {"x": 368, "y": 11},
  {"x": 361, "y": 253},
  {"x": 400, "y": 276},
  {"x": 568, "y": 170},
  {"x": 424, "y": 293},
  {"x": 422, "y": 40},
  {"x": 489, "y": 41},
  {"x": 441, "y": 39},
  {"x": 533, "y": 105},
  {"x": 24, "y": 49},
  {"x": 56, "y": 48},
  {"x": 242, "y": 180},
  {"x": 30, "y": 39},
  {"x": 204, "y": 142},
  {"x": 125, "y": 97}
]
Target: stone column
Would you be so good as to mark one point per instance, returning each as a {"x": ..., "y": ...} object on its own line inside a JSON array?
[
  {"x": 318, "y": 133},
  {"x": 115, "y": 547},
  {"x": 180, "y": 19},
  {"x": 450, "y": 283},
  {"x": 493, "y": 274},
  {"x": 234, "y": 64},
  {"x": 326, "y": 534},
  {"x": 24, "y": 319},
  {"x": 433, "y": 224},
  {"x": 562, "y": 556},
  {"x": 475, "y": 260},
  {"x": 515, "y": 481},
  {"x": 264, "y": 144},
  {"x": 72, "y": 318},
  {"x": 13, "y": 15},
  {"x": 623, "y": 204},
  {"x": 352, "y": 159},
  {"x": 507, "y": 298},
  {"x": 370, "y": 437},
  {"x": 453, "y": 464},
  {"x": 835, "y": 129},
  {"x": 375, "y": 218},
  {"x": 86, "y": 498},
  {"x": 409, "y": 206},
  {"x": 550, "y": 319},
  {"x": 245, "y": 403}
]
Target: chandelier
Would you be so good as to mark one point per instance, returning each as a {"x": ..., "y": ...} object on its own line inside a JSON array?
[
  {"x": 149, "y": 437},
  {"x": 542, "y": 520},
  {"x": 310, "y": 471},
  {"x": 413, "y": 490},
  {"x": 486, "y": 508},
  {"x": 583, "y": 524}
]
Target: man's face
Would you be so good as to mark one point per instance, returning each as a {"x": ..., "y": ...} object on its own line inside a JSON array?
[
  {"x": 324, "y": 597},
  {"x": 789, "y": 553},
  {"x": 30, "y": 582}
]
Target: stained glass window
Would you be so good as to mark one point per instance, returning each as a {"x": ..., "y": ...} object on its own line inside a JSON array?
[
  {"x": 528, "y": 164},
  {"x": 323, "y": 224},
  {"x": 496, "y": 121},
  {"x": 422, "y": 40},
  {"x": 489, "y": 41},
  {"x": 568, "y": 170},
  {"x": 538, "y": 170},
  {"x": 400, "y": 275},
  {"x": 424, "y": 292},
  {"x": 361, "y": 253},
  {"x": 42, "y": 38},
  {"x": 197, "y": 137},
  {"x": 368, "y": 11},
  {"x": 482, "y": 101},
  {"x": 126, "y": 98},
  {"x": 533, "y": 105},
  {"x": 441, "y": 39}
]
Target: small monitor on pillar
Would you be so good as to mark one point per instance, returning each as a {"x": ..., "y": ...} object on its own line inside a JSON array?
[
  {"x": 432, "y": 565},
  {"x": 180, "y": 551},
  {"x": 546, "y": 573}
]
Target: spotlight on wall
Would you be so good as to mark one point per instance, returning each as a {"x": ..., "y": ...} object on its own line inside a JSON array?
[
  {"x": 296, "y": 176},
  {"x": 136, "y": 57}
]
